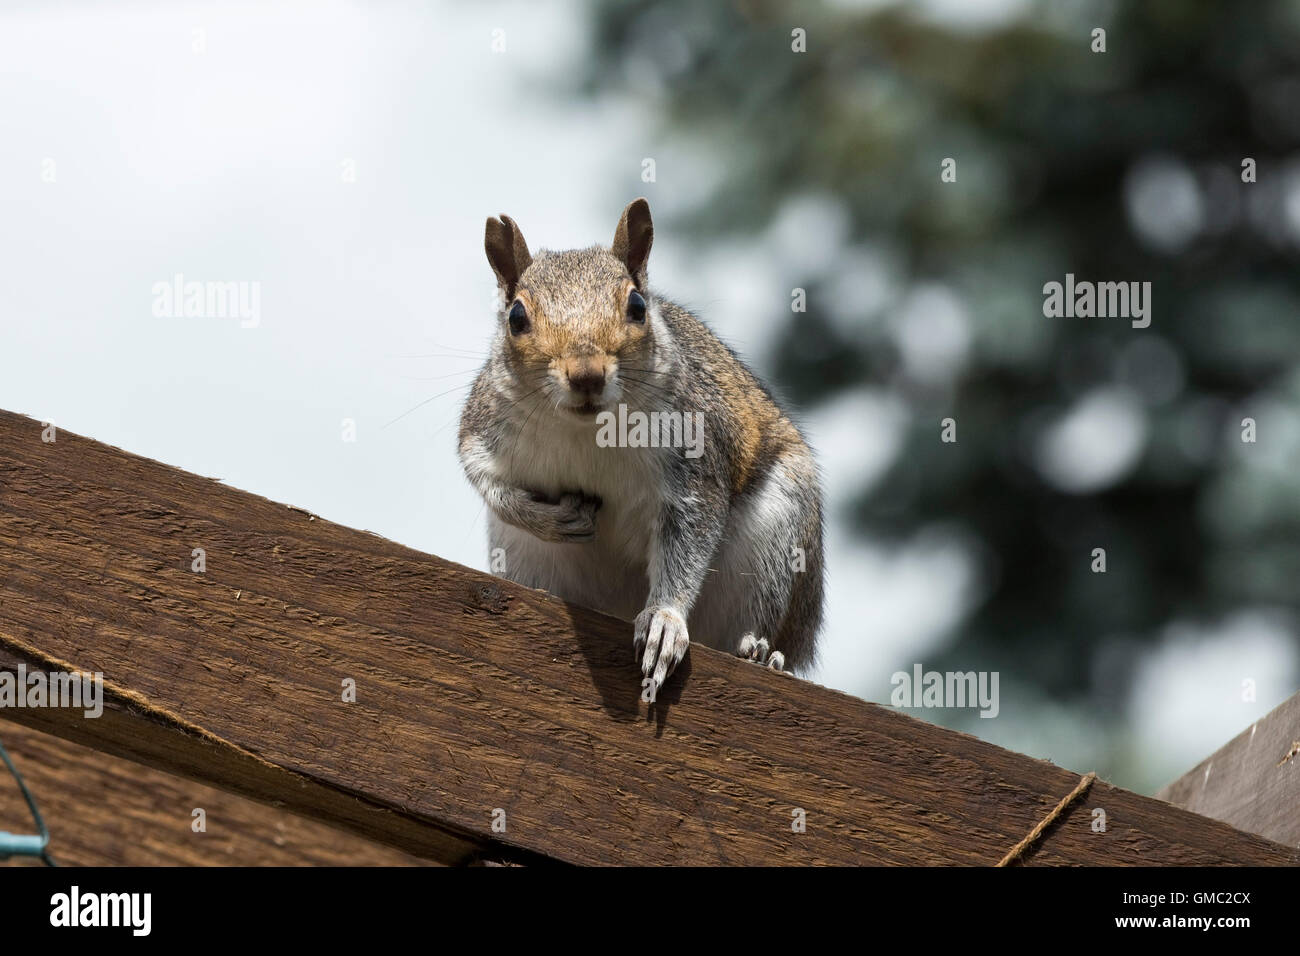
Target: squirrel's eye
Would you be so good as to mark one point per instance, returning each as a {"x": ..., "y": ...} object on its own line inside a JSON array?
[
  {"x": 635, "y": 307},
  {"x": 519, "y": 323}
]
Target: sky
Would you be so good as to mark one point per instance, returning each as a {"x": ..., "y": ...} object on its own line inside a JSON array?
[{"x": 343, "y": 158}]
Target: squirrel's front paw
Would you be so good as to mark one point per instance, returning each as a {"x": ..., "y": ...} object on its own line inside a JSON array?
[
  {"x": 571, "y": 518},
  {"x": 659, "y": 642}
]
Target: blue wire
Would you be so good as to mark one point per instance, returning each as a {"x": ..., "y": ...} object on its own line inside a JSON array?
[{"x": 31, "y": 803}]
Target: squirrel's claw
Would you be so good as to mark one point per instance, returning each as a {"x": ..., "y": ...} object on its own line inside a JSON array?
[{"x": 660, "y": 641}]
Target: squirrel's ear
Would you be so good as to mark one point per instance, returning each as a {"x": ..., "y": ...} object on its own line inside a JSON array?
[
  {"x": 632, "y": 239},
  {"x": 507, "y": 252}
]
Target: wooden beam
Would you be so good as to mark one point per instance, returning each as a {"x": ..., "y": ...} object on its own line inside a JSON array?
[
  {"x": 481, "y": 701},
  {"x": 105, "y": 811},
  {"x": 1251, "y": 782}
]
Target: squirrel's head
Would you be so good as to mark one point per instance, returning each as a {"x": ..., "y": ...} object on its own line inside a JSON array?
[{"x": 578, "y": 326}]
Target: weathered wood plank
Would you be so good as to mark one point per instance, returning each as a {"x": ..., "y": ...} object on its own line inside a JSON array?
[
  {"x": 475, "y": 695},
  {"x": 105, "y": 811},
  {"x": 1251, "y": 782}
]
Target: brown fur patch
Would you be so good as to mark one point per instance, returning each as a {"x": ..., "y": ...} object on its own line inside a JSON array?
[{"x": 576, "y": 303}]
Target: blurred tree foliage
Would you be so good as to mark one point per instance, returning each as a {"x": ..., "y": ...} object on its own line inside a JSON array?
[{"x": 1123, "y": 165}]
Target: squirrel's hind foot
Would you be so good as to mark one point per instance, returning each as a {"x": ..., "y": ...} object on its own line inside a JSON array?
[{"x": 758, "y": 651}]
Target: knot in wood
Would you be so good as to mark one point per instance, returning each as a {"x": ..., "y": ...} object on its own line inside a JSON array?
[{"x": 487, "y": 597}]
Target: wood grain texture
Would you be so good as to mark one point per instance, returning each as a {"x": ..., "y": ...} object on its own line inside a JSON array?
[
  {"x": 105, "y": 811},
  {"x": 1253, "y": 781},
  {"x": 475, "y": 695}
]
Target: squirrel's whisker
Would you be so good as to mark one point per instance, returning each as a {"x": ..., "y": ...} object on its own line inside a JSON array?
[
  {"x": 426, "y": 402},
  {"x": 434, "y": 378},
  {"x": 448, "y": 350}
]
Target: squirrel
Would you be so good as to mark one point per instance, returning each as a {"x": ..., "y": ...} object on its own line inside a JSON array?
[{"x": 721, "y": 541}]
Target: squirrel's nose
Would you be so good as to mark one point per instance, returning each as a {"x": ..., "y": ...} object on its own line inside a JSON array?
[{"x": 589, "y": 381}]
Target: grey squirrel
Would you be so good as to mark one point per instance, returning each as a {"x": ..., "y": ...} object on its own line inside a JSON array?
[{"x": 722, "y": 541}]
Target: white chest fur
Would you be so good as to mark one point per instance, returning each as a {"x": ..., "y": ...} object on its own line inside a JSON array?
[{"x": 554, "y": 456}]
